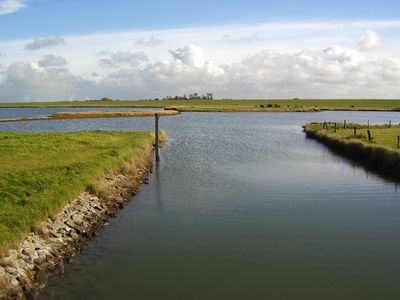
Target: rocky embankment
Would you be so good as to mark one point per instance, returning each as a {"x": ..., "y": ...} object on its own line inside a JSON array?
[{"x": 24, "y": 270}]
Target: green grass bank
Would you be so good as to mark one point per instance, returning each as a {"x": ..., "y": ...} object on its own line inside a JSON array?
[
  {"x": 378, "y": 150},
  {"x": 97, "y": 114},
  {"x": 233, "y": 105},
  {"x": 41, "y": 172}
]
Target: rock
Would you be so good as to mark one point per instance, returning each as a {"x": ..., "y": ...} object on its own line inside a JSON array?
[
  {"x": 41, "y": 278},
  {"x": 11, "y": 271}
]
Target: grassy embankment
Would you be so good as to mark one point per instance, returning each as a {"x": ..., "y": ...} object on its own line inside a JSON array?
[
  {"x": 98, "y": 114},
  {"x": 382, "y": 152},
  {"x": 233, "y": 105},
  {"x": 41, "y": 172}
]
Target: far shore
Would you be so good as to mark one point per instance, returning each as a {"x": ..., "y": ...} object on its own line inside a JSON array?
[{"x": 228, "y": 105}]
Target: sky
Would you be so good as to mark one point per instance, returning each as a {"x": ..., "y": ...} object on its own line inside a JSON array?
[{"x": 76, "y": 50}]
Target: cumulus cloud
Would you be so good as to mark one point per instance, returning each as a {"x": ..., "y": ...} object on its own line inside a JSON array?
[
  {"x": 52, "y": 61},
  {"x": 190, "y": 55},
  {"x": 11, "y": 6},
  {"x": 44, "y": 43},
  {"x": 330, "y": 72},
  {"x": 149, "y": 42},
  {"x": 121, "y": 59},
  {"x": 370, "y": 41}
]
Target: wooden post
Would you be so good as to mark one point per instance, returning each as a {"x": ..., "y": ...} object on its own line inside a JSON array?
[
  {"x": 344, "y": 124},
  {"x": 355, "y": 131},
  {"x": 335, "y": 126},
  {"x": 369, "y": 135},
  {"x": 390, "y": 123},
  {"x": 157, "y": 140},
  {"x": 398, "y": 141}
]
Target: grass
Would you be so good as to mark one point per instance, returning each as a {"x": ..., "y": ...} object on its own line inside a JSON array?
[
  {"x": 381, "y": 152},
  {"x": 112, "y": 114},
  {"x": 233, "y": 105},
  {"x": 41, "y": 172},
  {"x": 97, "y": 114}
]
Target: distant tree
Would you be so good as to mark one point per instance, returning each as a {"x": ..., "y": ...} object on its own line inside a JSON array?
[{"x": 105, "y": 99}]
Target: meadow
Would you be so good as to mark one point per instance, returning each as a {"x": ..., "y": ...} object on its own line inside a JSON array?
[{"x": 232, "y": 105}]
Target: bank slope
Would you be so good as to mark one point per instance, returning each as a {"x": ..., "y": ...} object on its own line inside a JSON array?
[{"x": 378, "y": 149}]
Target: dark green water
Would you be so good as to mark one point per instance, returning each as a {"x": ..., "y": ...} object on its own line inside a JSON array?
[{"x": 242, "y": 206}]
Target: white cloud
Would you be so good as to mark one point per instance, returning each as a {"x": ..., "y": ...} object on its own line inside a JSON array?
[
  {"x": 44, "y": 43},
  {"x": 11, "y": 6},
  {"x": 331, "y": 72},
  {"x": 190, "y": 55},
  {"x": 149, "y": 42},
  {"x": 121, "y": 59},
  {"x": 52, "y": 61},
  {"x": 370, "y": 41}
]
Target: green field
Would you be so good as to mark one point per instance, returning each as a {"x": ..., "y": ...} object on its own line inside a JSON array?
[
  {"x": 381, "y": 135},
  {"x": 41, "y": 172},
  {"x": 231, "y": 105}
]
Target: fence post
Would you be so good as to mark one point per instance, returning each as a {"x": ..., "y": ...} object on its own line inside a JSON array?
[
  {"x": 369, "y": 135},
  {"x": 390, "y": 123},
  {"x": 335, "y": 126},
  {"x": 156, "y": 138},
  {"x": 355, "y": 131},
  {"x": 344, "y": 124}
]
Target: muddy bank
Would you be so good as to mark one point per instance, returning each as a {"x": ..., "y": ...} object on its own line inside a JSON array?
[{"x": 24, "y": 270}]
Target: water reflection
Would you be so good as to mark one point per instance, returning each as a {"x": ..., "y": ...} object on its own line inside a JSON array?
[{"x": 157, "y": 185}]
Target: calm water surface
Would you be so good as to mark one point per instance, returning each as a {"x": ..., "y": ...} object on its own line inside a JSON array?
[{"x": 242, "y": 206}]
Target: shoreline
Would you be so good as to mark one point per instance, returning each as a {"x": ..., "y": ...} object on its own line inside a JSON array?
[
  {"x": 95, "y": 115},
  {"x": 25, "y": 268},
  {"x": 383, "y": 160}
]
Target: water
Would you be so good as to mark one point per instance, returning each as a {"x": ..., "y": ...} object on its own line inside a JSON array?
[{"x": 242, "y": 206}]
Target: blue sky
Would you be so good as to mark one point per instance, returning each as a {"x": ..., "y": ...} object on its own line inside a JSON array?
[
  {"x": 55, "y": 17},
  {"x": 70, "y": 49}
]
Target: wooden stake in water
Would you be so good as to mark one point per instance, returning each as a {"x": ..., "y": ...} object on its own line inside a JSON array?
[{"x": 157, "y": 140}]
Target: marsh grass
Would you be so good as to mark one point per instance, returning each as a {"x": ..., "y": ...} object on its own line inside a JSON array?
[
  {"x": 112, "y": 114},
  {"x": 41, "y": 172},
  {"x": 381, "y": 152}
]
